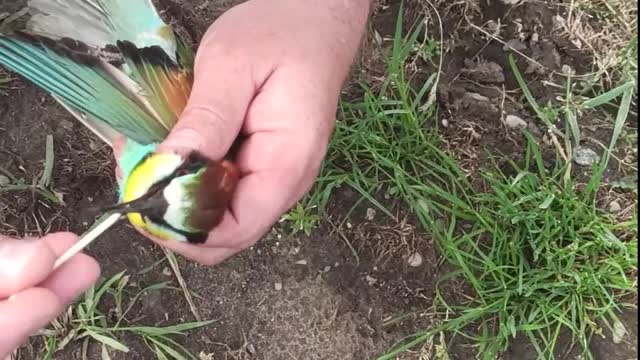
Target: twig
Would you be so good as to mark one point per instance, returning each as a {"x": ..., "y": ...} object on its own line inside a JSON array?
[
  {"x": 173, "y": 262},
  {"x": 434, "y": 90},
  {"x": 353, "y": 250}
]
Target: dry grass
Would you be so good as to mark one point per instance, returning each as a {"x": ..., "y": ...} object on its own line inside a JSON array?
[{"x": 606, "y": 29}]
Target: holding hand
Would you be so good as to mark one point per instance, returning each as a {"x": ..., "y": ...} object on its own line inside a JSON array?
[
  {"x": 31, "y": 294},
  {"x": 271, "y": 70}
]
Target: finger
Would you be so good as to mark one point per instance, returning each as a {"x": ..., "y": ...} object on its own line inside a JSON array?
[
  {"x": 118, "y": 146},
  {"x": 23, "y": 314},
  {"x": 23, "y": 264},
  {"x": 59, "y": 242},
  {"x": 281, "y": 159},
  {"x": 222, "y": 90},
  {"x": 264, "y": 195},
  {"x": 204, "y": 255},
  {"x": 74, "y": 276}
]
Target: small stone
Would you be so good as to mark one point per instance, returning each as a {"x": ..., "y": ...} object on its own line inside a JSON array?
[
  {"x": 535, "y": 37},
  {"x": 493, "y": 27},
  {"x": 585, "y": 157},
  {"x": 204, "y": 356},
  {"x": 278, "y": 286},
  {"x": 59, "y": 196},
  {"x": 370, "y": 280},
  {"x": 515, "y": 122},
  {"x": 568, "y": 70},
  {"x": 251, "y": 349},
  {"x": 415, "y": 259},
  {"x": 510, "y": 2},
  {"x": 371, "y": 213},
  {"x": 445, "y": 122},
  {"x": 4, "y": 181},
  {"x": 301, "y": 262},
  {"x": 614, "y": 206},
  {"x": 166, "y": 271},
  {"x": 619, "y": 331},
  {"x": 326, "y": 268}
]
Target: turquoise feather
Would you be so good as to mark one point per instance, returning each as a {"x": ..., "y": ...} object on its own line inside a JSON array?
[
  {"x": 132, "y": 154},
  {"x": 132, "y": 94},
  {"x": 86, "y": 88}
]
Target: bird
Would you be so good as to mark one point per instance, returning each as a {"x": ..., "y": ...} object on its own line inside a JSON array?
[{"x": 123, "y": 72}]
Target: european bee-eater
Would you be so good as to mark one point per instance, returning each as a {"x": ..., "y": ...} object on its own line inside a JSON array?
[{"x": 122, "y": 71}]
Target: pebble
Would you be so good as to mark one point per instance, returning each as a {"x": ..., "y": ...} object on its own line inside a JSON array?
[
  {"x": 371, "y": 213},
  {"x": 415, "y": 259},
  {"x": 515, "y": 122},
  {"x": 614, "y": 206},
  {"x": 278, "y": 286},
  {"x": 166, "y": 271},
  {"x": 585, "y": 157},
  {"x": 301, "y": 262},
  {"x": 370, "y": 279},
  {"x": 251, "y": 349},
  {"x": 4, "y": 181}
]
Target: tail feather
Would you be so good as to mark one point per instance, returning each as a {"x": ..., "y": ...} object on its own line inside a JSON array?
[
  {"x": 88, "y": 88},
  {"x": 114, "y": 64},
  {"x": 102, "y": 130},
  {"x": 83, "y": 20},
  {"x": 169, "y": 84},
  {"x": 99, "y": 23}
]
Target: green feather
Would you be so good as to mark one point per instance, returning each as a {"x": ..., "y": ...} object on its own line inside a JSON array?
[
  {"x": 87, "y": 88},
  {"x": 114, "y": 64}
]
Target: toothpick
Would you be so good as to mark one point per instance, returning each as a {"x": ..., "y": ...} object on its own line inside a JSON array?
[{"x": 88, "y": 237}]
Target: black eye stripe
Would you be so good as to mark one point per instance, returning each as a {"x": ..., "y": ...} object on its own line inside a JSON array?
[{"x": 193, "y": 164}]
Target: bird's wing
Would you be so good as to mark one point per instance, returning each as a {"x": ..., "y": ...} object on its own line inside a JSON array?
[{"x": 114, "y": 64}]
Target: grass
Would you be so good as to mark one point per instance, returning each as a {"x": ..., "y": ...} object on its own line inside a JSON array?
[
  {"x": 541, "y": 259},
  {"x": 41, "y": 184},
  {"x": 85, "y": 322}
]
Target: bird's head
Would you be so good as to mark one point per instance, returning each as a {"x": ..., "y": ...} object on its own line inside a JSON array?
[{"x": 178, "y": 197}]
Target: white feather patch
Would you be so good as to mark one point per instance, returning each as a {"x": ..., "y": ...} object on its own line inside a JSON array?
[{"x": 178, "y": 202}]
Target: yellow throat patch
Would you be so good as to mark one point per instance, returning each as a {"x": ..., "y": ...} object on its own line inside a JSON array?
[{"x": 151, "y": 170}]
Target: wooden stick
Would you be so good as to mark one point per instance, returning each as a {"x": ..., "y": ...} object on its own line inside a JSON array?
[{"x": 88, "y": 237}]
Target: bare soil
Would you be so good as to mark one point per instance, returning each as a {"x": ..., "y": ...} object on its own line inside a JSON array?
[{"x": 299, "y": 297}]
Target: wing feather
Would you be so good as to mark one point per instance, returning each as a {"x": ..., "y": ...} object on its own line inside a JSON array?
[
  {"x": 114, "y": 64},
  {"x": 86, "y": 87}
]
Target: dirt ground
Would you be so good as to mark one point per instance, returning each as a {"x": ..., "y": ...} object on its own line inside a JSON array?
[{"x": 298, "y": 297}]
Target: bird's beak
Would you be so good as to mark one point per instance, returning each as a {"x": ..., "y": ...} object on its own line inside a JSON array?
[{"x": 148, "y": 201}]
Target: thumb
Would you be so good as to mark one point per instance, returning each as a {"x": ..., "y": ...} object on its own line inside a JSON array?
[
  {"x": 23, "y": 264},
  {"x": 222, "y": 91}
]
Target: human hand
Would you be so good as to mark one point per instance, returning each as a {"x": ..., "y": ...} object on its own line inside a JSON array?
[
  {"x": 31, "y": 293},
  {"x": 271, "y": 70}
]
